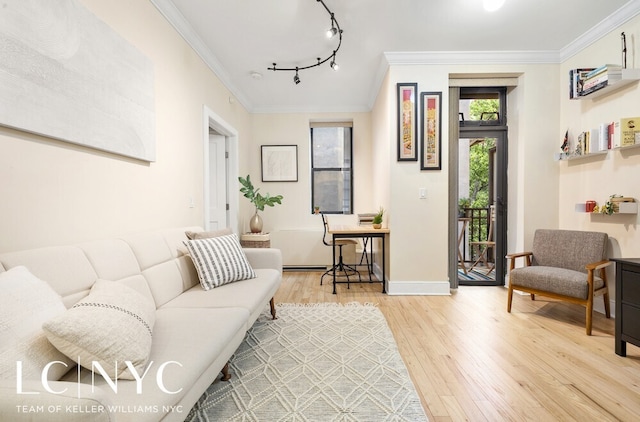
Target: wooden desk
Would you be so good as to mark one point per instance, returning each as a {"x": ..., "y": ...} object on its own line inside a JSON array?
[{"x": 349, "y": 232}]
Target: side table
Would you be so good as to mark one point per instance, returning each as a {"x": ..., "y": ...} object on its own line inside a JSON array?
[{"x": 255, "y": 240}]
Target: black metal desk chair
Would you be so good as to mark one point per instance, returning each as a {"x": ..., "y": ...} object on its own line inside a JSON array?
[{"x": 340, "y": 266}]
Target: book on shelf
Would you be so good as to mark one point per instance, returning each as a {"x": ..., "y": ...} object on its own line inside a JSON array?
[
  {"x": 603, "y": 69},
  {"x": 594, "y": 88},
  {"x": 594, "y": 81},
  {"x": 584, "y": 81},
  {"x": 576, "y": 79},
  {"x": 629, "y": 131}
]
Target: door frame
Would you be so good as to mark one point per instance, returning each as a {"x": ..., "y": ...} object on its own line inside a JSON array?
[
  {"x": 212, "y": 121},
  {"x": 501, "y": 189},
  {"x": 499, "y": 133}
]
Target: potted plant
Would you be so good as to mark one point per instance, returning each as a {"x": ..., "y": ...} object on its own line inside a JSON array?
[
  {"x": 316, "y": 209},
  {"x": 258, "y": 200},
  {"x": 463, "y": 203},
  {"x": 377, "y": 219}
]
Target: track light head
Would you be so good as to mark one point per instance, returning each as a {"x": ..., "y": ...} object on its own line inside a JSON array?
[
  {"x": 296, "y": 78},
  {"x": 332, "y": 32},
  {"x": 334, "y": 65}
]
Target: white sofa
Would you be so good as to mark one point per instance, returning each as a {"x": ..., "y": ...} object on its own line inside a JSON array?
[{"x": 196, "y": 330}]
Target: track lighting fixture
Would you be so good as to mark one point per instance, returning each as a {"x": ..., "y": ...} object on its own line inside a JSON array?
[
  {"x": 333, "y": 63},
  {"x": 332, "y": 32}
]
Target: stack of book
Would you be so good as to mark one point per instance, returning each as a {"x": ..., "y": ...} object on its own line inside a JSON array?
[
  {"x": 585, "y": 81},
  {"x": 600, "y": 77},
  {"x": 576, "y": 80}
]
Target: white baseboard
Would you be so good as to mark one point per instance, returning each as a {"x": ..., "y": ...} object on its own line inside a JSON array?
[{"x": 425, "y": 288}]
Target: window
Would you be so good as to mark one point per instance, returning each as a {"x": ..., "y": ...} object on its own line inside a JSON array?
[
  {"x": 482, "y": 107},
  {"x": 332, "y": 169}
]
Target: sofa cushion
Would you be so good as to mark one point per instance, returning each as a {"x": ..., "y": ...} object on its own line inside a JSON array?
[
  {"x": 112, "y": 325},
  {"x": 219, "y": 260},
  {"x": 26, "y": 303},
  {"x": 554, "y": 280},
  {"x": 190, "y": 347},
  {"x": 192, "y": 235},
  {"x": 251, "y": 295}
]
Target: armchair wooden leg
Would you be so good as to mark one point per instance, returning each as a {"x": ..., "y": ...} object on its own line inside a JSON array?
[
  {"x": 273, "y": 309},
  {"x": 589, "y": 316},
  {"x": 509, "y": 298},
  {"x": 607, "y": 305}
]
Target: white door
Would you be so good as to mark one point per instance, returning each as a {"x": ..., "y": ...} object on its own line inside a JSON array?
[{"x": 217, "y": 183}]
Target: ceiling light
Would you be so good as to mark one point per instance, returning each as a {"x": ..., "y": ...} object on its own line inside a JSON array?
[
  {"x": 256, "y": 75},
  {"x": 335, "y": 30},
  {"x": 333, "y": 63},
  {"x": 492, "y": 5}
]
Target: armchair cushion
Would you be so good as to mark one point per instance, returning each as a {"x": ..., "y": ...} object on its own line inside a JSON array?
[
  {"x": 555, "y": 280},
  {"x": 570, "y": 249}
]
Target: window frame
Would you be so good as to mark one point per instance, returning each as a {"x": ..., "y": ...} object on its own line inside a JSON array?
[{"x": 349, "y": 169}]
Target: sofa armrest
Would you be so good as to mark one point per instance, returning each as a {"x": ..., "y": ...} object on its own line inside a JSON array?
[
  {"x": 264, "y": 258},
  {"x": 512, "y": 259},
  {"x": 74, "y": 403},
  {"x": 598, "y": 265}
]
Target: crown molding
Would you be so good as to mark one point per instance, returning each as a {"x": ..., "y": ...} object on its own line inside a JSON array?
[
  {"x": 178, "y": 21},
  {"x": 604, "y": 27},
  {"x": 470, "y": 57},
  {"x": 311, "y": 109}
]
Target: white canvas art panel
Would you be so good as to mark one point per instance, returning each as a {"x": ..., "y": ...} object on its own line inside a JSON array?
[{"x": 67, "y": 75}]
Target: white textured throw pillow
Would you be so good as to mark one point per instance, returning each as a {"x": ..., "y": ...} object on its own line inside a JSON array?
[
  {"x": 25, "y": 303},
  {"x": 111, "y": 326},
  {"x": 219, "y": 260}
]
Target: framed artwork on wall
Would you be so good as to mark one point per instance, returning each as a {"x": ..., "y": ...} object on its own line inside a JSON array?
[
  {"x": 430, "y": 130},
  {"x": 407, "y": 121},
  {"x": 279, "y": 163}
]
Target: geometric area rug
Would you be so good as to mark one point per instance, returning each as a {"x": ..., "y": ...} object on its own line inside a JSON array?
[{"x": 316, "y": 362}]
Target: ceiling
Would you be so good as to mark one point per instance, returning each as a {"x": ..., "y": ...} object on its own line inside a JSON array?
[{"x": 239, "y": 37}]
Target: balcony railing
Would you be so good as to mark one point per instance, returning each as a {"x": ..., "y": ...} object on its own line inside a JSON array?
[{"x": 477, "y": 230}]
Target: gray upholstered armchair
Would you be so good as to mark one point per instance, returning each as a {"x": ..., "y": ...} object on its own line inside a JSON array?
[{"x": 563, "y": 264}]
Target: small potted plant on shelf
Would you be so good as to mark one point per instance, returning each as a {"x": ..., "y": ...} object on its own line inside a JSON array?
[
  {"x": 316, "y": 209},
  {"x": 259, "y": 200},
  {"x": 377, "y": 219}
]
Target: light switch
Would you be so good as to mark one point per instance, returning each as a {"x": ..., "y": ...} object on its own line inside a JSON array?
[{"x": 422, "y": 193}]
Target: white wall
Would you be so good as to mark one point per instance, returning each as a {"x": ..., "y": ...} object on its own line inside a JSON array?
[
  {"x": 292, "y": 224},
  {"x": 57, "y": 193},
  {"x": 419, "y": 246},
  {"x": 618, "y": 171}
]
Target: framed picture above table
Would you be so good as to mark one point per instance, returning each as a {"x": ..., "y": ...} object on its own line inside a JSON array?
[{"x": 279, "y": 163}]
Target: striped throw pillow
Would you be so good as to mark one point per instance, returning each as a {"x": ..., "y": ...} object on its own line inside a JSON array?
[{"x": 219, "y": 260}]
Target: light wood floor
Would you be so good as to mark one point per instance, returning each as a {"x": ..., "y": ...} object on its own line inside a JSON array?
[{"x": 471, "y": 360}]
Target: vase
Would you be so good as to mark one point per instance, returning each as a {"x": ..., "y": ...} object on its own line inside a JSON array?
[
  {"x": 255, "y": 224},
  {"x": 377, "y": 226}
]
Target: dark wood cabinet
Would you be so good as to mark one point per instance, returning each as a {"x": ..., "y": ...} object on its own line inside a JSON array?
[{"x": 627, "y": 303}]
